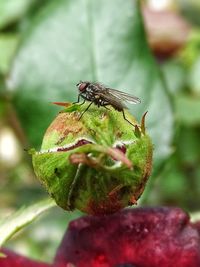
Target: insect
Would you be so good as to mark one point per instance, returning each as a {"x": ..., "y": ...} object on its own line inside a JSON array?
[{"x": 101, "y": 95}]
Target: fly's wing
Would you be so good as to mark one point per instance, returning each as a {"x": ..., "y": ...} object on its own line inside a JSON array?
[
  {"x": 124, "y": 96},
  {"x": 115, "y": 101}
]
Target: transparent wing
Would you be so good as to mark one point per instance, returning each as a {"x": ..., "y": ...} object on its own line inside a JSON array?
[
  {"x": 111, "y": 99},
  {"x": 123, "y": 96}
]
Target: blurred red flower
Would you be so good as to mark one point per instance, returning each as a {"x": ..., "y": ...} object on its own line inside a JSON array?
[{"x": 139, "y": 237}]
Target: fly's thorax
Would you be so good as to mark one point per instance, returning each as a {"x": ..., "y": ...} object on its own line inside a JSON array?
[
  {"x": 92, "y": 87},
  {"x": 88, "y": 96}
]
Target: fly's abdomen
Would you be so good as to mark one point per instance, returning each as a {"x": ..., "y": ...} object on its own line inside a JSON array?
[
  {"x": 100, "y": 101},
  {"x": 117, "y": 105}
]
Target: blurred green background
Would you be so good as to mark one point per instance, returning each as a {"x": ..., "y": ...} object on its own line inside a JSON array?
[{"x": 148, "y": 48}]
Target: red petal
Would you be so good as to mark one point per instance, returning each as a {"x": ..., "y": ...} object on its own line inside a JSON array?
[{"x": 142, "y": 237}]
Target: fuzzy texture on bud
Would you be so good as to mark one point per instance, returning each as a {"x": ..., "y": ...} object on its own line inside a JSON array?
[{"x": 98, "y": 164}]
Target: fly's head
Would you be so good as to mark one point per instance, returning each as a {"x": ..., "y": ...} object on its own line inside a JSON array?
[{"x": 82, "y": 86}]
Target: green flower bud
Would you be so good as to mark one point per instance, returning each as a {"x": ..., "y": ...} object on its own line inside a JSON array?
[{"x": 98, "y": 164}]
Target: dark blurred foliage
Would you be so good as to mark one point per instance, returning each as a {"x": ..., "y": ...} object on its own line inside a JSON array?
[
  {"x": 18, "y": 186},
  {"x": 176, "y": 180}
]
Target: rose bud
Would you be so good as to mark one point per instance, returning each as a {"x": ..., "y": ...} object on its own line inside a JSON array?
[{"x": 97, "y": 164}]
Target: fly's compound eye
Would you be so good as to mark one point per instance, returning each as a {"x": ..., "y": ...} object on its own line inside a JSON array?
[{"x": 82, "y": 86}]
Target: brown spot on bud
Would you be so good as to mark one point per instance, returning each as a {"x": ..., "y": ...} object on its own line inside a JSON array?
[{"x": 81, "y": 142}]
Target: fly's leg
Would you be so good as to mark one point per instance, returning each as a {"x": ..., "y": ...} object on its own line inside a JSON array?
[
  {"x": 82, "y": 103},
  {"x": 106, "y": 108},
  {"x": 78, "y": 100},
  {"x": 126, "y": 118},
  {"x": 85, "y": 110}
]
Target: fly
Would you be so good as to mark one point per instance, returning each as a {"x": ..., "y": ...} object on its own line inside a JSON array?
[{"x": 103, "y": 96}]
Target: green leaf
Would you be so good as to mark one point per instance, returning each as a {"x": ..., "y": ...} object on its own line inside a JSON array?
[
  {"x": 88, "y": 40},
  {"x": 190, "y": 10},
  {"x": 194, "y": 73},
  {"x": 42, "y": 247},
  {"x": 16, "y": 221},
  {"x": 12, "y": 10},
  {"x": 8, "y": 44},
  {"x": 188, "y": 145},
  {"x": 195, "y": 217},
  {"x": 187, "y": 109},
  {"x": 175, "y": 76},
  {"x": 190, "y": 52}
]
